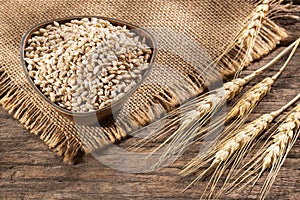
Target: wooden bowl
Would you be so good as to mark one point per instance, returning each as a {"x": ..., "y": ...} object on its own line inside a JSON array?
[{"x": 112, "y": 109}]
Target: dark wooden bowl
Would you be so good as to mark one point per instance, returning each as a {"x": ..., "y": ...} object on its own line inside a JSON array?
[{"x": 112, "y": 109}]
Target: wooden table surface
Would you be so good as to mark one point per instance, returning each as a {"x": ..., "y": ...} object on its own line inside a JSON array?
[{"x": 29, "y": 170}]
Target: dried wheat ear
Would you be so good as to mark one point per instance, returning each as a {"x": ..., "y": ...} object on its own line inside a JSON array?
[
  {"x": 259, "y": 34},
  {"x": 184, "y": 124},
  {"x": 269, "y": 158},
  {"x": 228, "y": 152}
]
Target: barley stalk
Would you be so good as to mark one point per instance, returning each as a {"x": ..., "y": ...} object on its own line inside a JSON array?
[
  {"x": 196, "y": 113},
  {"x": 231, "y": 150},
  {"x": 271, "y": 156}
]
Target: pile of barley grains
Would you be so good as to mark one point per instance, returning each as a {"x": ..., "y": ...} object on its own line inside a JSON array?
[{"x": 86, "y": 64}]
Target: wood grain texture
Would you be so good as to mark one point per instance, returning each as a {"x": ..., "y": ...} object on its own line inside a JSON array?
[{"x": 29, "y": 170}]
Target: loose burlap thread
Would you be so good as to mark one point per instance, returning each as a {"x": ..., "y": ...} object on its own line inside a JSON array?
[{"x": 216, "y": 26}]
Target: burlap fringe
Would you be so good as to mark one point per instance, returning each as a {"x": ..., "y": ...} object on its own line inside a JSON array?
[
  {"x": 241, "y": 52},
  {"x": 19, "y": 105},
  {"x": 153, "y": 108}
]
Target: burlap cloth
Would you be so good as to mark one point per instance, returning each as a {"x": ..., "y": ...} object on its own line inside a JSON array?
[{"x": 218, "y": 27}]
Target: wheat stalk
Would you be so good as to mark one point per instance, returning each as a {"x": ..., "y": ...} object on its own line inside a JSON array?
[
  {"x": 271, "y": 156},
  {"x": 255, "y": 38},
  {"x": 196, "y": 113},
  {"x": 230, "y": 150},
  {"x": 241, "y": 110},
  {"x": 194, "y": 120},
  {"x": 250, "y": 33},
  {"x": 283, "y": 141}
]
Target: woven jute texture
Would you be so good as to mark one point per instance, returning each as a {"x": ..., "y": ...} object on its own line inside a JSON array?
[{"x": 180, "y": 27}]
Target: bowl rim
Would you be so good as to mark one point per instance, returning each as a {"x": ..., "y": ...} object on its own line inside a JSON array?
[{"x": 112, "y": 21}]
